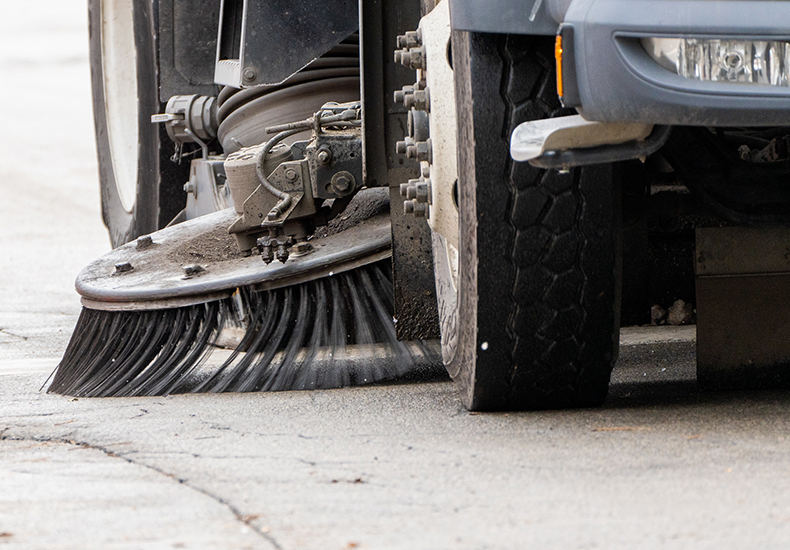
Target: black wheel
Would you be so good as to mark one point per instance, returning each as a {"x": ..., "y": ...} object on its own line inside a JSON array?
[
  {"x": 529, "y": 301},
  {"x": 141, "y": 189}
]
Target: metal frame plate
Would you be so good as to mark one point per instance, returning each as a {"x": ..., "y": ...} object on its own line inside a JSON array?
[{"x": 158, "y": 279}]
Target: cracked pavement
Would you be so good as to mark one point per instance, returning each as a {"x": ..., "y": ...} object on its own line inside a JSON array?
[{"x": 389, "y": 467}]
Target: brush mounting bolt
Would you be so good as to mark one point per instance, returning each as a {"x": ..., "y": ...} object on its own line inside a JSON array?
[
  {"x": 144, "y": 242},
  {"x": 343, "y": 183},
  {"x": 302, "y": 248},
  {"x": 282, "y": 253},
  {"x": 265, "y": 248},
  {"x": 266, "y": 253},
  {"x": 325, "y": 155},
  {"x": 193, "y": 269},
  {"x": 249, "y": 74}
]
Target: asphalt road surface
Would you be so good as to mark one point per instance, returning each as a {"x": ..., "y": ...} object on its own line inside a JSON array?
[{"x": 391, "y": 467}]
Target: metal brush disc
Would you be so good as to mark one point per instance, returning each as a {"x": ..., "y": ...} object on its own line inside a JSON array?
[{"x": 198, "y": 261}]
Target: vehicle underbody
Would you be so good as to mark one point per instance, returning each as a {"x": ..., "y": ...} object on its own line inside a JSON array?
[{"x": 518, "y": 156}]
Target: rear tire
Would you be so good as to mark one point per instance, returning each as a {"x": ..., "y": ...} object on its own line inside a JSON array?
[
  {"x": 141, "y": 189},
  {"x": 531, "y": 321}
]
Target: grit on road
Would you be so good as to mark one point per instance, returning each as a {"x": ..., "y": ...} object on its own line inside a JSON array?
[{"x": 391, "y": 467}]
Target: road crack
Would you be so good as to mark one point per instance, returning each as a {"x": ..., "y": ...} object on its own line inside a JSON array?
[
  {"x": 8, "y": 332},
  {"x": 245, "y": 519}
]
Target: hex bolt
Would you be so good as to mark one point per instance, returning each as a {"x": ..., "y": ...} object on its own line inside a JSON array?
[
  {"x": 422, "y": 192},
  {"x": 402, "y": 147},
  {"x": 421, "y": 210},
  {"x": 302, "y": 248},
  {"x": 266, "y": 254},
  {"x": 413, "y": 58},
  {"x": 282, "y": 253},
  {"x": 419, "y": 99},
  {"x": 343, "y": 183},
  {"x": 410, "y": 39},
  {"x": 193, "y": 269},
  {"x": 425, "y": 170},
  {"x": 189, "y": 187},
  {"x": 291, "y": 175},
  {"x": 250, "y": 74},
  {"x": 124, "y": 267},
  {"x": 404, "y": 190},
  {"x": 325, "y": 156},
  {"x": 408, "y": 207},
  {"x": 144, "y": 242},
  {"x": 400, "y": 95},
  {"x": 421, "y": 151},
  {"x": 265, "y": 248}
]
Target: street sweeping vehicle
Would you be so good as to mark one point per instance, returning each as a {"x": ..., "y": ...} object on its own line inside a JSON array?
[{"x": 355, "y": 189}]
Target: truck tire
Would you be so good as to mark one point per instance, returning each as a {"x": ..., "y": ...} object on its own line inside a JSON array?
[
  {"x": 532, "y": 319},
  {"x": 141, "y": 189}
]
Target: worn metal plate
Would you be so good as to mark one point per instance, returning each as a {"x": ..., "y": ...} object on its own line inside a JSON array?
[
  {"x": 277, "y": 38},
  {"x": 158, "y": 278},
  {"x": 742, "y": 250},
  {"x": 187, "y": 47},
  {"x": 743, "y": 325},
  {"x": 743, "y": 311},
  {"x": 384, "y": 123}
]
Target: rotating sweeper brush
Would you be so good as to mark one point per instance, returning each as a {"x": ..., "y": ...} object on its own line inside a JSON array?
[
  {"x": 155, "y": 309},
  {"x": 300, "y": 263}
]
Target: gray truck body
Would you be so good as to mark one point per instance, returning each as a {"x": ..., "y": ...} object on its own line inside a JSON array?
[{"x": 610, "y": 76}]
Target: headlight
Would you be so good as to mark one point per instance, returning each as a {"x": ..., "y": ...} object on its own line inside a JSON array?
[{"x": 723, "y": 60}]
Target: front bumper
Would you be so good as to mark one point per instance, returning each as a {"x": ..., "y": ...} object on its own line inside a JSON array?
[{"x": 610, "y": 77}]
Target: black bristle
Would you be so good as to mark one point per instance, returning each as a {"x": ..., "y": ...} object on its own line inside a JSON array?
[{"x": 299, "y": 337}]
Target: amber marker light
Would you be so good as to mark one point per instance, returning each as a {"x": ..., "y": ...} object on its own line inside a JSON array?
[{"x": 558, "y": 57}]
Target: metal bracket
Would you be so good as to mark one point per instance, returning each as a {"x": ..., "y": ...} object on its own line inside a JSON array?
[{"x": 562, "y": 141}]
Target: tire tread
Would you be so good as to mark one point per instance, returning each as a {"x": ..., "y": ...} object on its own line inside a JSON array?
[{"x": 556, "y": 233}]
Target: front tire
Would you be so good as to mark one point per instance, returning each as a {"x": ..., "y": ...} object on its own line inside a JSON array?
[
  {"x": 531, "y": 320},
  {"x": 141, "y": 190}
]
